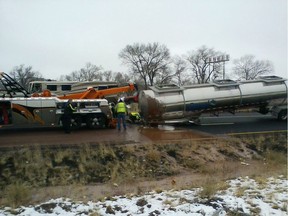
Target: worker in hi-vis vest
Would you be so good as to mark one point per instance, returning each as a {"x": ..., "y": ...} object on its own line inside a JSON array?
[{"x": 121, "y": 111}]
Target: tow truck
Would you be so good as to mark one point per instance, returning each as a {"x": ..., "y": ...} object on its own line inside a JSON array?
[{"x": 19, "y": 109}]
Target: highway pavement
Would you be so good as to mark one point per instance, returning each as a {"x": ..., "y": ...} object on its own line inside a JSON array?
[{"x": 227, "y": 123}]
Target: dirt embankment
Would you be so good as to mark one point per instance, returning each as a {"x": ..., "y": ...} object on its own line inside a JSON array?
[{"x": 90, "y": 171}]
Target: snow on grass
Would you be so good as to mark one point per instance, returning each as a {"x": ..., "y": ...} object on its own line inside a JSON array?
[{"x": 244, "y": 196}]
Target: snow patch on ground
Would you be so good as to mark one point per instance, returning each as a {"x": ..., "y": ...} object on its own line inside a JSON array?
[{"x": 244, "y": 196}]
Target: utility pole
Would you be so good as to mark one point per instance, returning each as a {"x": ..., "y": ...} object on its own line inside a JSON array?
[{"x": 218, "y": 59}]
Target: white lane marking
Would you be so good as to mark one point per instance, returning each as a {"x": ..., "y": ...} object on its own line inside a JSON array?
[
  {"x": 239, "y": 116},
  {"x": 231, "y": 123}
]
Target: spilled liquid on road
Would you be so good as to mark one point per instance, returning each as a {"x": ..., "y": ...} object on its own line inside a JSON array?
[{"x": 171, "y": 133}]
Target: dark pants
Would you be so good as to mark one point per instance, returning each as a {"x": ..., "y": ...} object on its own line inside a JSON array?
[
  {"x": 121, "y": 117},
  {"x": 66, "y": 121}
]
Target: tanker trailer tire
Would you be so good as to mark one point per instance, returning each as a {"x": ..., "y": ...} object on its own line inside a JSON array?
[{"x": 282, "y": 116}]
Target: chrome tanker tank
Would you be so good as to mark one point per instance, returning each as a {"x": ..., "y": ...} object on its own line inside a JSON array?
[{"x": 171, "y": 103}]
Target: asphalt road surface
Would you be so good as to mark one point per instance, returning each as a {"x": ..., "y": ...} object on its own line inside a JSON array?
[
  {"x": 223, "y": 124},
  {"x": 228, "y": 123},
  {"x": 56, "y": 136}
]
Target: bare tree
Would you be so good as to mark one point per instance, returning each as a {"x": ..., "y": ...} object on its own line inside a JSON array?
[
  {"x": 164, "y": 76},
  {"x": 146, "y": 61},
  {"x": 248, "y": 68},
  {"x": 107, "y": 75},
  {"x": 179, "y": 66},
  {"x": 121, "y": 78},
  {"x": 89, "y": 73},
  {"x": 73, "y": 76},
  {"x": 199, "y": 65},
  {"x": 24, "y": 75},
  {"x": 174, "y": 73}
]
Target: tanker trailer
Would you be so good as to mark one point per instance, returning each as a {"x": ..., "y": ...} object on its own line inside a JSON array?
[{"x": 174, "y": 104}]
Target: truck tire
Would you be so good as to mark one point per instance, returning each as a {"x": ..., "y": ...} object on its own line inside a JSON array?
[
  {"x": 76, "y": 122},
  {"x": 282, "y": 116},
  {"x": 96, "y": 121}
]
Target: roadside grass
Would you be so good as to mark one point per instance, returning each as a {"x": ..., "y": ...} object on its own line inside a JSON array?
[
  {"x": 17, "y": 194},
  {"x": 210, "y": 186},
  {"x": 274, "y": 158},
  {"x": 123, "y": 166}
]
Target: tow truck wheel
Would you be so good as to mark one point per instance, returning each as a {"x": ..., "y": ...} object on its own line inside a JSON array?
[
  {"x": 282, "y": 115},
  {"x": 76, "y": 122},
  {"x": 95, "y": 121}
]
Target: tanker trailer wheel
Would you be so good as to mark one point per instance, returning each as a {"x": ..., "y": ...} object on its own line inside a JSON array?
[
  {"x": 282, "y": 116},
  {"x": 96, "y": 121}
]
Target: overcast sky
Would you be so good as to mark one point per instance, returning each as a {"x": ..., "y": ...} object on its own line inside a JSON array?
[{"x": 57, "y": 37}]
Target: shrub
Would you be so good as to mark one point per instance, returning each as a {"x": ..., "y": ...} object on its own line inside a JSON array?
[
  {"x": 208, "y": 191},
  {"x": 153, "y": 156},
  {"x": 241, "y": 191},
  {"x": 275, "y": 157},
  {"x": 17, "y": 194}
]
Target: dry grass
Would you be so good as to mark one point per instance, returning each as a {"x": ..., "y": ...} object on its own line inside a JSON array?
[
  {"x": 126, "y": 165},
  {"x": 261, "y": 181},
  {"x": 211, "y": 185},
  {"x": 275, "y": 158},
  {"x": 17, "y": 194},
  {"x": 209, "y": 189},
  {"x": 94, "y": 214},
  {"x": 241, "y": 191},
  {"x": 153, "y": 155}
]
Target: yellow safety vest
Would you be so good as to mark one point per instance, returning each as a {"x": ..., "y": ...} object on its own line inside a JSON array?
[{"x": 121, "y": 107}]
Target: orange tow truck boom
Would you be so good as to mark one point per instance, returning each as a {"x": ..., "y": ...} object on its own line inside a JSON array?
[{"x": 92, "y": 93}]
